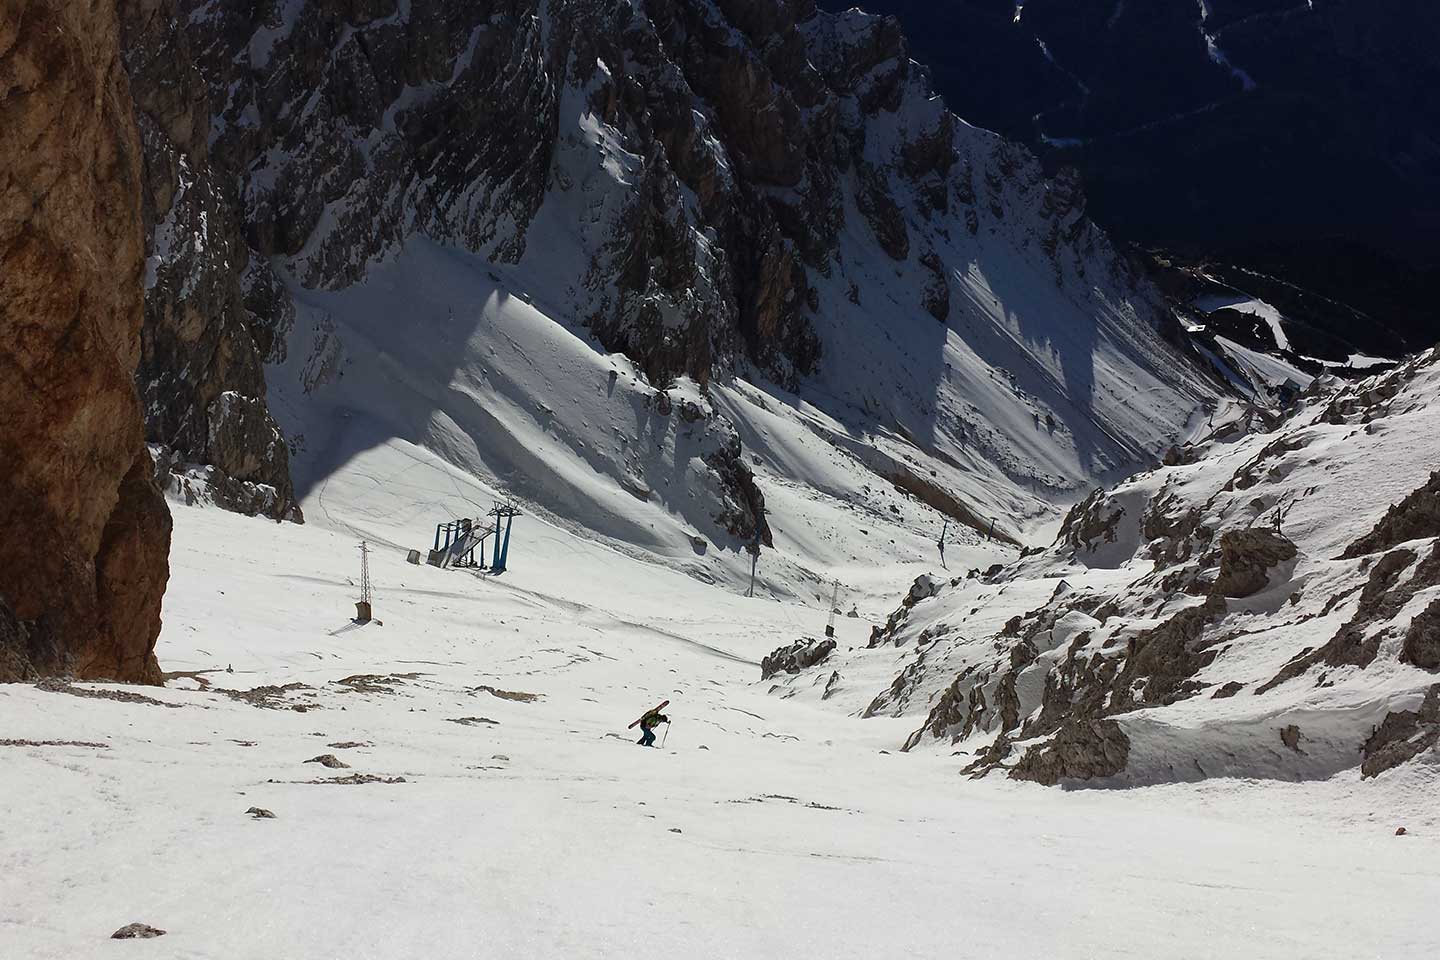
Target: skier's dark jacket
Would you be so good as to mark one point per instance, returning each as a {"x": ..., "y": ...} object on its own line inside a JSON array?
[{"x": 652, "y": 720}]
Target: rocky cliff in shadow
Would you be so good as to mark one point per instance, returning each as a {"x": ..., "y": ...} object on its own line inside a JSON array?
[{"x": 213, "y": 314}]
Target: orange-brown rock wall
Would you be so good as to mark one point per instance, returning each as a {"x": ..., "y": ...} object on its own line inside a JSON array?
[{"x": 84, "y": 532}]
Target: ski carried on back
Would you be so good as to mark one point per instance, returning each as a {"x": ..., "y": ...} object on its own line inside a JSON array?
[{"x": 663, "y": 705}]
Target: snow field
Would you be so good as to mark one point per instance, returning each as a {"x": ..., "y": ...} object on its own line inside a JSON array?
[{"x": 549, "y": 834}]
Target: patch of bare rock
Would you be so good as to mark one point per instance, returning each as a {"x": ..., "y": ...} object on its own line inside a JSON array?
[
  {"x": 329, "y": 760},
  {"x": 137, "y": 931},
  {"x": 53, "y": 685},
  {"x": 1081, "y": 750},
  {"x": 794, "y": 657}
]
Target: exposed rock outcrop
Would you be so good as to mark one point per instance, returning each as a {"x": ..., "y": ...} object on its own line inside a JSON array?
[
  {"x": 924, "y": 587},
  {"x": 84, "y": 532},
  {"x": 1403, "y": 735},
  {"x": 16, "y": 656},
  {"x": 1174, "y": 532},
  {"x": 907, "y": 478},
  {"x": 1422, "y": 639},
  {"x": 741, "y": 505},
  {"x": 1414, "y": 518},
  {"x": 202, "y": 483},
  {"x": 213, "y": 313},
  {"x": 1142, "y": 617},
  {"x": 1081, "y": 750},
  {"x": 1090, "y": 522},
  {"x": 1161, "y": 663},
  {"x": 1386, "y": 591},
  {"x": 936, "y": 295},
  {"x": 1246, "y": 558},
  {"x": 794, "y": 657}
]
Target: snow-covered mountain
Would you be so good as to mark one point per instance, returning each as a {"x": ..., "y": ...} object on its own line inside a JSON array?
[
  {"x": 1226, "y": 130},
  {"x": 1265, "y": 605},
  {"x": 678, "y": 279},
  {"x": 696, "y": 279},
  {"x": 619, "y": 258}
]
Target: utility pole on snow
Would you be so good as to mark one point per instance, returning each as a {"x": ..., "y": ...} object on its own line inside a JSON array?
[
  {"x": 834, "y": 599},
  {"x": 362, "y": 606},
  {"x": 754, "y": 549}
]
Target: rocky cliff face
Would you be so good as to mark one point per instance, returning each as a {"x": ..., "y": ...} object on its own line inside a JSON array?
[
  {"x": 211, "y": 315},
  {"x": 346, "y": 130},
  {"x": 84, "y": 533},
  {"x": 343, "y": 131}
]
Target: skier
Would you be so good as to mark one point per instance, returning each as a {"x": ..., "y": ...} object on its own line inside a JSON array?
[
  {"x": 649, "y": 722},
  {"x": 944, "y": 531}
]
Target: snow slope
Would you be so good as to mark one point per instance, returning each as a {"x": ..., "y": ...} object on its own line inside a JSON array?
[
  {"x": 474, "y": 362},
  {"x": 766, "y": 828},
  {"x": 1141, "y": 626},
  {"x": 436, "y": 384},
  {"x": 1010, "y": 410}
]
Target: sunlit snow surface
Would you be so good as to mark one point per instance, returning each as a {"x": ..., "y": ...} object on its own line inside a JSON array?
[{"x": 765, "y": 828}]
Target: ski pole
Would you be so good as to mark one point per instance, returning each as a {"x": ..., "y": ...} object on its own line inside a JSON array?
[{"x": 667, "y": 734}]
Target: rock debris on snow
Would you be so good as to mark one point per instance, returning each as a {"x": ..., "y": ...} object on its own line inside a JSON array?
[
  {"x": 329, "y": 760},
  {"x": 519, "y": 696},
  {"x": 103, "y": 693},
  {"x": 355, "y": 779},
  {"x": 137, "y": 931}
]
